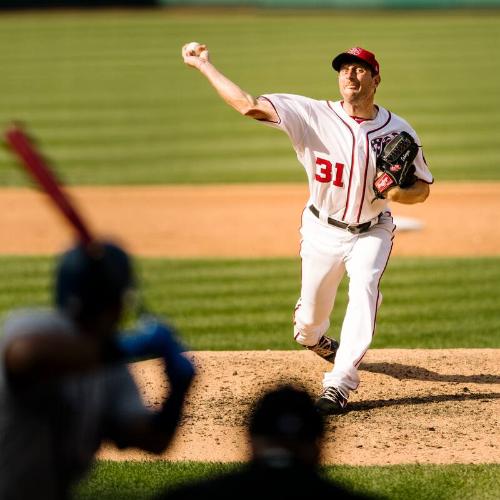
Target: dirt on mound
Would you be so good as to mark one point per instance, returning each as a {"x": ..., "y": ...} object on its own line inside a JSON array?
[{"x": 413, "y": 406}]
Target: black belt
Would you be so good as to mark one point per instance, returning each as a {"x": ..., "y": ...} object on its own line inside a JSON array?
[{"x": 352, "y": 228}]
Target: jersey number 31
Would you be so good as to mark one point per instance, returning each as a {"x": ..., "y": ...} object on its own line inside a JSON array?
[{"x": 324, "y": 170}]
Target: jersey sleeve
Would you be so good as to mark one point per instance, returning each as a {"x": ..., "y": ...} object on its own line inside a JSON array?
[
  {"x": 422, "y": 170},
  {"x": 293, "y": 115}
]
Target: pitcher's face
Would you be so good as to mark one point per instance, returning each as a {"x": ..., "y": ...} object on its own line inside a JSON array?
[{"x": 356, "y": 82}]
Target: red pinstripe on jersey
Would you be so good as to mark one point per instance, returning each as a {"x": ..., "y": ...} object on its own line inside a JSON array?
[
  {"x": 352, "y": 159},
  {"x": 368, "y": 160},
  {"x": 358, "y": 361}
]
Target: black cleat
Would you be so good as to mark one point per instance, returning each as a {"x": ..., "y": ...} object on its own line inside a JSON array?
[
  {"x": 331, "y": 402},
  {"x": 325, "y": 348}
]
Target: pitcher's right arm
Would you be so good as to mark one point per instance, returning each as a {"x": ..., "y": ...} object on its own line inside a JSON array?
[{"x": 197, "y": 56}]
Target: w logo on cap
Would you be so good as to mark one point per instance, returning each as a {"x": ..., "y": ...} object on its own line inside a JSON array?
[
  {"x": 355, "y": 51},
  {"x": 358, "y": 53}
]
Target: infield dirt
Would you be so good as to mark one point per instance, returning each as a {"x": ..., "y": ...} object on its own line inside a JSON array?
[
  {"x": 427, "y": 406},
  {"x": 413, "y": 406},
  {"x": 239, "y": 220}
]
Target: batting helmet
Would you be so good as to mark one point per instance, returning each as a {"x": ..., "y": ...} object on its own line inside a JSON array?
[{"x": 91, "y": 279}]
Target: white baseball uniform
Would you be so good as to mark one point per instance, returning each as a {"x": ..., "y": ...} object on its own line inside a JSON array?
[{"x": 339, "y": 155}]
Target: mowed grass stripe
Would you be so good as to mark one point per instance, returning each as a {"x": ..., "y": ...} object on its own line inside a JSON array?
[
  {"x": 248, "y": 304},
  {"x": 67, "y": 142},
  {"x": 110, "y": 100},
  {"x": 127, "y": 480}
]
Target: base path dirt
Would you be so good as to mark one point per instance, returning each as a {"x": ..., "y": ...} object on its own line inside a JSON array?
[
  {"x": 413, "y": 406},
  {"x": 239, "y": 220}
]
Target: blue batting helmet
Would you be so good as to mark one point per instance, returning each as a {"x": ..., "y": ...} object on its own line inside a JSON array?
[{"x": 91, "y": 279}]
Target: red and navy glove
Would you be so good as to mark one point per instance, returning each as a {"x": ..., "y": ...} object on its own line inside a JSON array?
[{"x": 395, "y": 165}]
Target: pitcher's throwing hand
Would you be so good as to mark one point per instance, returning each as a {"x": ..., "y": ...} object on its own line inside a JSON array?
[{"x": 195, "y": 54}]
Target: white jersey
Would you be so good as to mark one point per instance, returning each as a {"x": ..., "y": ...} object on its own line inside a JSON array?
[{"x": 339, "y": 154}]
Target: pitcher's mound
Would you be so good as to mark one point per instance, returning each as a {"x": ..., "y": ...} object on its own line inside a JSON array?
[{"x": 413, "y": 406}]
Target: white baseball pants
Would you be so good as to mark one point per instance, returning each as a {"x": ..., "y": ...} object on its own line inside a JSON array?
[{"x": 327, "y": 252}]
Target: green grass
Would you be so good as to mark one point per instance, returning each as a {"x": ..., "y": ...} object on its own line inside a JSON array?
[
  {"x": 248, "y": 304},
  {"x": 111, "y": 102},
  {"x": 127, "y": 480}
]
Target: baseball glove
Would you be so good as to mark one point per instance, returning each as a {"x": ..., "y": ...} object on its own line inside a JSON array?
[{"x": 395, "y": 164}]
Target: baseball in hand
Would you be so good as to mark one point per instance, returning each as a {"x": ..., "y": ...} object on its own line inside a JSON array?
[{"x": 192, "y": 49}]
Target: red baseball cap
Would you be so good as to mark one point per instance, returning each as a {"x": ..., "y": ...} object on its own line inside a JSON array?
[{"x": 357, "y": 53}]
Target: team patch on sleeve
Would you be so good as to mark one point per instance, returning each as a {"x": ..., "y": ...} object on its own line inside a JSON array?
[{"x": 379, "y": 142}]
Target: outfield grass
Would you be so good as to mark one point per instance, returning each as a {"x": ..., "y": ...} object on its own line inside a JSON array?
[
  {"x": 110, "y": 99},
  {"x": 111, "y": 102},
  {"x": 127, "y": 480},
  {"x": 247, "y": 304}
]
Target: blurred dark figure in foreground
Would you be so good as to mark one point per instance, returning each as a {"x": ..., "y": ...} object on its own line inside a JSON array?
[
  {"x": 286, "y": 434},
  {"x": 64, "y": 383}
]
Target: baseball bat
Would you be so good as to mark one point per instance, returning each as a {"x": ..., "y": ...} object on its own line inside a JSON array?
[
  {"x": 41, "y": 171},
  {"x": 43, "y": 174}
]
